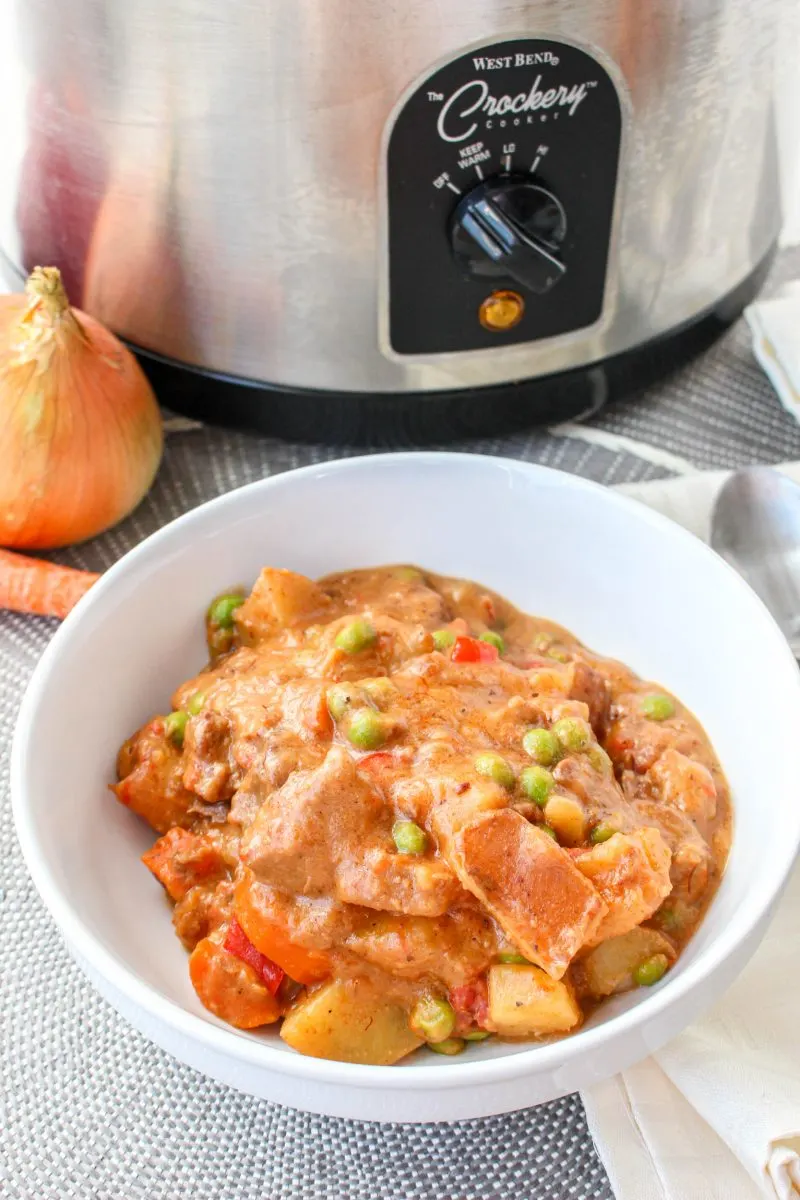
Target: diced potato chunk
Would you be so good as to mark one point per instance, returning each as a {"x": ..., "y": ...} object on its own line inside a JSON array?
[
  {"x": 566, "y": 815},
  {"x": 555, "y": 678},
  {"x": 279, "y": 598},
  {"x": 349, "y": 1021},
  {"x": 609, "y": 967},
  {"x": 631, "y": 873},
  {"x": 526, "y": 1002}
]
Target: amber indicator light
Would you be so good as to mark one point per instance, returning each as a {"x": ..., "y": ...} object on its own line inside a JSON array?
[{"x": 501, "y": 311}]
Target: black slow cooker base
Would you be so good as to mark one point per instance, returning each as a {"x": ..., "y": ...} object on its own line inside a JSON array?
[{"x": 419, "y": 418}]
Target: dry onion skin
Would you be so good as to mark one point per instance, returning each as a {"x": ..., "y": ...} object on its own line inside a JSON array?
[{"x": 80, "y": 430}]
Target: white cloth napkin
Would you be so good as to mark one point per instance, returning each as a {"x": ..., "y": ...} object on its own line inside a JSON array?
[
  {"x": 775, "y": 326},
  {"x": 716, "y": 1114}
]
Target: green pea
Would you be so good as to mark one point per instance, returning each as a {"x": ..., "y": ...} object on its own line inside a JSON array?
[
  {"x": 409, "y": 838},
  {"x": 518, "y": 960},
  {"x": 573, "y": 733},
  {"x": 448, "y": 1046},
  {"x": 495, "y": 767},
  {"x": 433, "y": 1019},
  {"x": 196, "y": 703},
  {"x": 542, "y": 746},
  {"x": 669, "y": 919},
  {"x": 601, "y": 833},
  {"x": 476, "y": 1035},
  {"x": 494, "y": 639},
  {"x": 175, "y": 726},
  {"x": 651, "y": 970},
  {"x": 223, "y": 607},
  {"x": 657, "y": 707},
  {"x": 599, "y": 760},
  {"x": 339, "y": 699},
  {"x": 548, "y": 829},
  {"x": 559, "y": 655},
  {"x": 407, "y": 574},
  {"x": 443, "y": 639},
  {"x": 366, "y": 730},
  {"x": 357, "y": 636},
  {"x": 537, "y": 784}
]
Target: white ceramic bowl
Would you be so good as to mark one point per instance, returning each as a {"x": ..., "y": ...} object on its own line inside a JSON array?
[{"x": 627, "y": 581}]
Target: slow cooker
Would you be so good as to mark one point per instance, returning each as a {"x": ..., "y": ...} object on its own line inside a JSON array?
[{"x": 326, "y": 217}]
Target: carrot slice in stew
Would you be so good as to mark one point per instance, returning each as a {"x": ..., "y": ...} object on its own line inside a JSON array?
[
  {"x": 182, "y": 859},
  {"x": 304, "y": 966},
  {"x": 229, "y": 987}
]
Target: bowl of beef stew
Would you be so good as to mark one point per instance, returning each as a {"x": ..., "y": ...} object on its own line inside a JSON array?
[{"x": 415, "y": 787}]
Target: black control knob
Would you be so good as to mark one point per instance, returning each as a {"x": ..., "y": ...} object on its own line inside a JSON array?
[{"x": 511, "y": 229}]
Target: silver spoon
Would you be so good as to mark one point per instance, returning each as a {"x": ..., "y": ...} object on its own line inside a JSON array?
[{"x": 755, "y": 526}]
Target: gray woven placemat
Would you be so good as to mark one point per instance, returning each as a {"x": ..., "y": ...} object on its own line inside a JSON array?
[{"x": 89, "y": 1109}]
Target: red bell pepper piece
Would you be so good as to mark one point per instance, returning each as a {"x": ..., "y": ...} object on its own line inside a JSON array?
[
  {"x": 471, "y": 1004},
  {"x": 472, "y": 650},
  {"x": 237, "y": 943},
  {"x": 377, "y": 760}
]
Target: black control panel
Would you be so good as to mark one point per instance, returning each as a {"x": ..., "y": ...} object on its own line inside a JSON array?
[{"x": 501, "y": 177}]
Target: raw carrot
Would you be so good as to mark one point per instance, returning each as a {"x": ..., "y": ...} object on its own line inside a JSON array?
[{"x": 32, "y": 585}]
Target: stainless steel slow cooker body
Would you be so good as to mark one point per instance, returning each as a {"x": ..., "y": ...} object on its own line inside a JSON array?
[{"x": 270, "y": 191}]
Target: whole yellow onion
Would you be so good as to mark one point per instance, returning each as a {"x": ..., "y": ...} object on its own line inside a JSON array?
[{"x": 80, "y": 430}]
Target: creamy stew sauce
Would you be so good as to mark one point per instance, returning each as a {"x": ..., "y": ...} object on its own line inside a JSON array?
[{"x": 362, "y": 836}]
